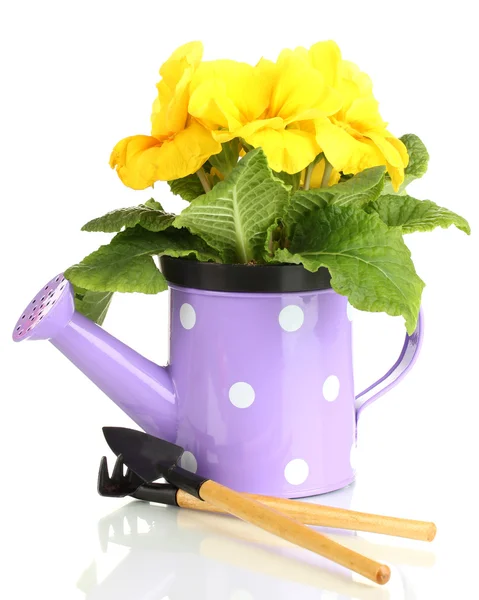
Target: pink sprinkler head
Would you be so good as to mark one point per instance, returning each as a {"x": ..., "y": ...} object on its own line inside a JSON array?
[{"x": 48, "y": 313}]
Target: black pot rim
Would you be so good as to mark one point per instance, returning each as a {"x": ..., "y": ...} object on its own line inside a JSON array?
[{"x": 243, "y": 278}]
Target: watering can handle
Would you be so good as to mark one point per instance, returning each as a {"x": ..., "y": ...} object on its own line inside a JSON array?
[{"x": 407, "y": 358}]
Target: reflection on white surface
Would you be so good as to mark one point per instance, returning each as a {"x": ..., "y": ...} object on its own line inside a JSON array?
[{"x": 172, "y": 554}]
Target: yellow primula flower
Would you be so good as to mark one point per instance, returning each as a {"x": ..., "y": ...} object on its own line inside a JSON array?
[
  {"x": 226, "y": 95},
  {"x": 355, "y": 137},
  {"x": 270, "y": 106},
  {"x": 178, "y": 144}
]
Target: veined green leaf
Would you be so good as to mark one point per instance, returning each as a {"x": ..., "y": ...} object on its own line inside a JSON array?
[
  {"x": 188, "y": 187},
  {"x": 369, "y": 262},
  {"x": 150, "y": 216},
  {"x": 412, "y": 215},
  {"x": 418, "y": 155},
  {"x": 93, "y": 305},
  {"x": 359, "y": 189},
  {"x": 126, "y": 263},
  {"x": 293, "y": 181},
  {"x": 356, "y": 191},
  {"x": 234, "y": 216}
]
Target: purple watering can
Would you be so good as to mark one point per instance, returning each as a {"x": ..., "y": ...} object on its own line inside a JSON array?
[{"x": 259, "y": 386}]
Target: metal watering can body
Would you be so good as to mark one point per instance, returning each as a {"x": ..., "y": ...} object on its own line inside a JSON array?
[{"x": 259, "y": 388}]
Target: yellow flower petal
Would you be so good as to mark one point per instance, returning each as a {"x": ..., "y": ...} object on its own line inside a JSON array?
[
  {"x": 397, "y": 173},
  {"x": 363, "y": 114},
  {"x": 248, "y": 130},
  {"x": 326, "y": 58},
  {"x": 397, "y": 176},
  {"x": 299, "y": 52},
  {"x": 289, "y": 150},
  {"x": 352, "y": 84},
  {"x": 170, "y": 116},
  {"x": 362, "y": 81},
  {"x": 170, "y": 108},
  {"x": 227, "y": 94},
  {"x": 186, "y": 153},
  {"x": 401, "y": 148},
  {"x": 186, "y": 56},
  {"x": 210, "y": 104},
  {"x": 382, "y": 140},
  {"x": 215, "y": 103},
  {"x": 298, "y": 90},
  {"x": 125, "y": 156},
  {"x": 141, "y": 160},
  {"x": 343, "y": 151}
]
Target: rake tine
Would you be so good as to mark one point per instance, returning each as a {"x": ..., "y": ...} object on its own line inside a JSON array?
[
  {"x": 133, "y": 478},
  {"x": 117, "y": 475},
  {"x": 103, "y": 476},
  {"x": 130, "y": 476}
]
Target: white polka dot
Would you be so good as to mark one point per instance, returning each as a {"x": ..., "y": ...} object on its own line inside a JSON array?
[
  {"x": 331, "y": 388},
  {"x": 296, "y": 471},
  {"x": 187, "y": 316},
  {"x": 350, "y": 311},
  {"x": 291, "y": 318},
  {"x": 241, "y": 394},
  {"x": 189, "y": 462},
  {"x": 352, "y": 457}
]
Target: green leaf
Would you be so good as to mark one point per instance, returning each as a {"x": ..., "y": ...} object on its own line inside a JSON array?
[
  {"x": 418, "y": 155},
  {"x": 359, "y": 189},
  {"x": 292, "y": 181},
  {"x": 93, "y": 305},
  {"x": 356, "y": 191},
  {"x": 227, "y": 159},
  {"x": 152, "y": 203},
  {"x": 234, "y": 217},
  {"x": 417, "y": 166},
  {"x": 368, "y": 262},
  {"x": 246, "y": 147},
  {"x": 126, "y": 263},
  {"x": 150, "y": 216},
  {"x": 188, "y": 187},
  {"x": 412, "y": 215},
  {"x": 275, "y": 239}
]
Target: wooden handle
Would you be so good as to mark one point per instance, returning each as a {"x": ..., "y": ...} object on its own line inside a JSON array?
[
  {"x": 329, "y": 516},
  {"x": 285, "y": 527},
  {"x": 232, "y": 528}
]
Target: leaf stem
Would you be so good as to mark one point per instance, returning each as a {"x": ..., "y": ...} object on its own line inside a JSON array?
[
  {"x": 328, "y": 168},
  {"x": 307, "y": 177},
  {"x": 204, "y": 180}
]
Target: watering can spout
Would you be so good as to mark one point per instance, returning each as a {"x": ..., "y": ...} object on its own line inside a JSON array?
[{"x": 142, "y": 389}]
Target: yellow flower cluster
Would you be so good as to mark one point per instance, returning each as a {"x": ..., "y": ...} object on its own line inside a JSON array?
[{"x": 305, "y": 103}]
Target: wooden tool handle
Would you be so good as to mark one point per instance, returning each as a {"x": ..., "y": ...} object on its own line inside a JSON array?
[
  {"x": 329, "y": 516},
  {"x": 285, "y": 527}
]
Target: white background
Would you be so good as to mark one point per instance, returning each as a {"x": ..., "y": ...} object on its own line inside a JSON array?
[{"x": 78, "y": 76}]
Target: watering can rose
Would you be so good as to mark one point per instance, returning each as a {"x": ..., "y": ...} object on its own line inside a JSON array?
[{"x": 306, "y": 103}]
